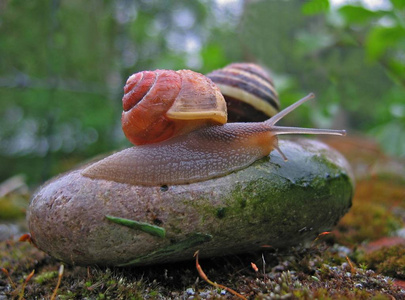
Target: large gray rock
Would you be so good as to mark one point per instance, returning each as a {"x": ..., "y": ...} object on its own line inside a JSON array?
[{"x": 272, "y": 202}]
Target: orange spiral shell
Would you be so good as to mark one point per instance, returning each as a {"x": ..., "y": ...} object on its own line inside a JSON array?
[{"x": 162, "y": 104}]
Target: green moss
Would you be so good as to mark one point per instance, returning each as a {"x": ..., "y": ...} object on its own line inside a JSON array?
[
  {"x": 290, "y": 205},
  {"x": 323, "y": 160},
  {"x": 171, "y": 281},
  {"x": 107, "y": 284},
  {"x": 265, "y": 202},
  {"x": 371, "y": 216},
  {"x": 388, "y": 260},
  {"x": 45, "y": 276}
]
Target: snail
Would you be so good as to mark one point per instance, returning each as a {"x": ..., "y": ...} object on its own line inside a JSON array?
[
  {"x": 248, "y": 91},
  {"x": 178, "y": 120}
]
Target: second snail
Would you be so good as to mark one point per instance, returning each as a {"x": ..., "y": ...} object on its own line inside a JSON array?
[{"x": 194, "y": 181}]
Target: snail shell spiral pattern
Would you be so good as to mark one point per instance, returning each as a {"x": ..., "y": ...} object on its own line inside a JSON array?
[
  {"x": 248, "y": 90},
  {"x": 162, "y": 104}
]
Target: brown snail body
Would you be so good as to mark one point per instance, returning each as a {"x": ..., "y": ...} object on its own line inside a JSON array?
[{"x": 199, "y": 153}]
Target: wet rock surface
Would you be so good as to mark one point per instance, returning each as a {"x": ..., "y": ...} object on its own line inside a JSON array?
[{"x": 272, "y": 202}]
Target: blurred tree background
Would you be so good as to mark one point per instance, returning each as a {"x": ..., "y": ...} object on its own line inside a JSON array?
[{"x": 63, "y": 65}]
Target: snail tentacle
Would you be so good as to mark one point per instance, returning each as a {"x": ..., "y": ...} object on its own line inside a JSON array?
[
  {"x": 277, "y": 130},
  {"x": 273, "y": 120},
  {"x": 300, "y": 130}
]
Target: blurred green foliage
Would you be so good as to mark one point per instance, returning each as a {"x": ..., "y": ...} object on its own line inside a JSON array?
[
  {"x": 377, "y": 35},
  {"x": 63, "y": 65}
]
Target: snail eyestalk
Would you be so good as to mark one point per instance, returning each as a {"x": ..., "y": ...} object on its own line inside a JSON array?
[
  {"x": 277, "y": 148},
  {"x": 298, "y": 130},
  {"x": 277, "y": 117},
  {"x": 277, "y": 130}
]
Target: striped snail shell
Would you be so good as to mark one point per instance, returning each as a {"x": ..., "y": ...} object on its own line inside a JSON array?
[
  {"x": 161, "y": 104},
  {"x": 248, "y": 90}
]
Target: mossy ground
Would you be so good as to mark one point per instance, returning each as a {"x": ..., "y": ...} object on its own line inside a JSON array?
[
  {"x": 320, "y": 272},
  {"x": 352, "y": 262}
]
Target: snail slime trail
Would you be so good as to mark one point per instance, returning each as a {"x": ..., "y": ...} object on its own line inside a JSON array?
[{"x": 185, "y": 137}]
